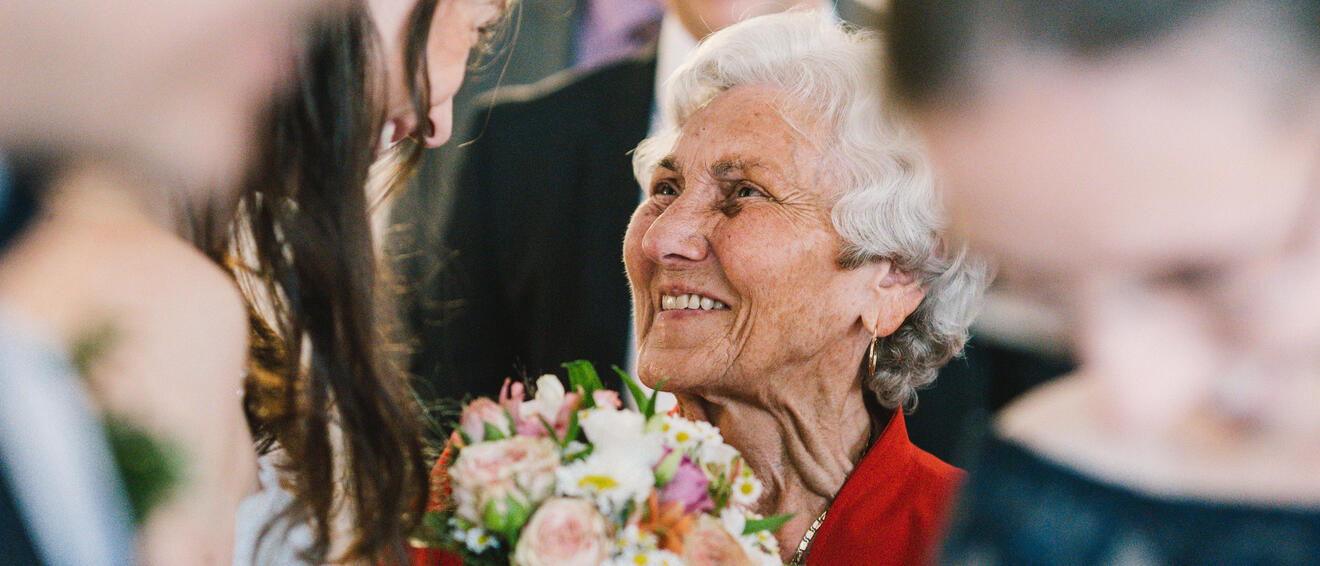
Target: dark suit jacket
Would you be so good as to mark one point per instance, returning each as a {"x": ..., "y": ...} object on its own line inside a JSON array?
[
  {"x": 16, "y": 546},
  {"x": 531, "y": 274}
]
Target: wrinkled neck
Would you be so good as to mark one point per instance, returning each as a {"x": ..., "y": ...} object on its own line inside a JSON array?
[{"x": 801, "y": 444}]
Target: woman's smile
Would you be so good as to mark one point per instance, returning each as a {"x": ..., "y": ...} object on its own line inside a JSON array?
[{"x": 690, "y": 301}]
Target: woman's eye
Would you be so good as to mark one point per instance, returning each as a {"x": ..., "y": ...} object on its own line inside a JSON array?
[
  {"x": 664, "y": 189},
  {"x": 748, "y": 191}
]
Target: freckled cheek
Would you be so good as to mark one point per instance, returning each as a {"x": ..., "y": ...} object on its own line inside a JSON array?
[{"x": 757, "y": 267}]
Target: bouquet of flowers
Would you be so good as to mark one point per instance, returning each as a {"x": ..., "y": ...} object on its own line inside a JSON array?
[{"x": 572, "y": 478}]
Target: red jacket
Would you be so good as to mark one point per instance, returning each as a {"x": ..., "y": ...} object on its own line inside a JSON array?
[{"x": 891, "y": 509}]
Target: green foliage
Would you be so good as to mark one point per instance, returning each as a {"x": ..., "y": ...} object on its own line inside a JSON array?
[
  {"x": 150, "y": 469},
  {"x": 634, "y": 388},
  {"x": 582, "y": 378},
  {"x": 665, "y": 470},
  {"x": 574, "y": 427},
  {"x": 766, "y": 524},
  {"x": 432, "y": 530},
  {"x": 507, "y": 522},
  {"x": 655, "y": 394},
  {"x": 645, "y": 405},
  {"x": 492, "y": 433}
]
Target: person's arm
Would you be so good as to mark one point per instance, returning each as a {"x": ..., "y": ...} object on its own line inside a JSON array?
[{"x": 175, "y": 369}]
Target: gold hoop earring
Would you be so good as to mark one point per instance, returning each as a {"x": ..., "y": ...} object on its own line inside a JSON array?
[{"x": 872, "y": 355}]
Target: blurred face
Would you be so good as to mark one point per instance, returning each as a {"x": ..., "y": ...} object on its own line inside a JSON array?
[
  {"x": 1157, "y": 196},
  {"x": 1176, "y": 159},
  {"x": 702, "y": 17},
  {"x": 169, "y": 86},
  {"x": 456, "y": 28},
  {"x": 733, "y": 258}
]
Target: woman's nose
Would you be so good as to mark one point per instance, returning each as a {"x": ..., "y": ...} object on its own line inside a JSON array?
[{"x": 677, "y": 235}]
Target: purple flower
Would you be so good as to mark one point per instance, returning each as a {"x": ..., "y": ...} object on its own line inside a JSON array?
[{"x": 688, "y": 486}]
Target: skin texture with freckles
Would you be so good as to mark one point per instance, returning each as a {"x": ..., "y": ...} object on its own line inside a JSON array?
[{"x": 740, "y": 212}]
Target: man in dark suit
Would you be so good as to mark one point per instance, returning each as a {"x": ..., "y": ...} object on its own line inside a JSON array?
[{"x": 531, "y": 273}]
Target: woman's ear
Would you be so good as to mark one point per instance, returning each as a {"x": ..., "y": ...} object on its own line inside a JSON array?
[{"x": 892, "y": 295}]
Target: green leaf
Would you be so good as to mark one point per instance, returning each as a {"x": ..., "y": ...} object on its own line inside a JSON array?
[
  {"x": 493, "y": 433},
  {"x": 635, "y": 389},
  {"x": 149, "y": 468},
  {"x": 467, "y": 440},
  {"x": 516, "y": 516},
  {"x": 493, "y": 519},
  {"x": 434, "y": 529},
  {"x": 766, "y": 524},
  {"x": 550, "y": 429},
  {"x": 583, "y": 379},
  {"x": 650, "y": 405},
  {"x": 573, "y": 428},
  {"x": 665, "y": 470}
]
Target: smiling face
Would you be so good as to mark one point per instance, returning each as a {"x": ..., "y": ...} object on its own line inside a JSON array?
[
  {"x": 457, "y": 27},
  {"x": 739, "y": 217}
]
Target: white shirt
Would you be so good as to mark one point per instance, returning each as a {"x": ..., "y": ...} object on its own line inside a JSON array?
[{"x": 55, "y": 456}]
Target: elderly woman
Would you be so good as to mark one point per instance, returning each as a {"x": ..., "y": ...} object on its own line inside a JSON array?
[
  {"x": 790, "y": 285},
  {"x": 1166, "y": 194}
]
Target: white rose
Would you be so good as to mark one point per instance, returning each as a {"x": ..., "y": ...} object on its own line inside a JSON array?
[
  {"x": 549, "y": 398},
  {"x": 619, "y": 433}
]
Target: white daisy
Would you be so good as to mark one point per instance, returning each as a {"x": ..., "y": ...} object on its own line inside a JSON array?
[
  {"x": 478, "y": 540},
  {"x": 746, "y": 490},
  {"x": 680, "y": 434},
  {"x": 608, "y": 481},
  {"x": 648, "y": 558}
]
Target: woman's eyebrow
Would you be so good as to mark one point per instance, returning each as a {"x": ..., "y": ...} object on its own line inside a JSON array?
[
  {"x": 728, "y": 167},
  {"x": 670, "y": 163}
]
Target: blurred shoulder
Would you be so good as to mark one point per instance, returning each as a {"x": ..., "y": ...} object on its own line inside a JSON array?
[{"x": 179, "y": 322}]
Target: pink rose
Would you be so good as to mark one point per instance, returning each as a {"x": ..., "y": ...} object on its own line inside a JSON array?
[
  {"x": 709, "y": 544},
  {"x": 563, "y": 532},
  {"x": 482, "y": 412},
  {"x": 521, "y": 467},
  {"x": 689, "y": 486}
]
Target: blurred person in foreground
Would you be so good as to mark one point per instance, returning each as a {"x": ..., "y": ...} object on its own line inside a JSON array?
[
  {"x": 527, "y": 273},
  {"x": 111, "y": 115},
  {"x": 342, "y": 474},
  {"x": 791, "y": 285},
  {"x": 1154, "y": 168}
]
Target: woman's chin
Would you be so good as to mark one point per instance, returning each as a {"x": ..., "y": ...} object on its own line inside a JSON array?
[{"x": 687, "y": 328}]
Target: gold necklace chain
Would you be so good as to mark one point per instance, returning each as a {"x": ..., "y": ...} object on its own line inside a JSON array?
[{"x": 805, "y": 545}]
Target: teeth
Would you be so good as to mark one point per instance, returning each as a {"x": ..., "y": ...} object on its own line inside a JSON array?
[{"x": 690, "y": 302}]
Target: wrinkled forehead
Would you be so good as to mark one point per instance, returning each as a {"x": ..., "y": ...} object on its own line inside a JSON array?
[{"x": 752, "y": 128}]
